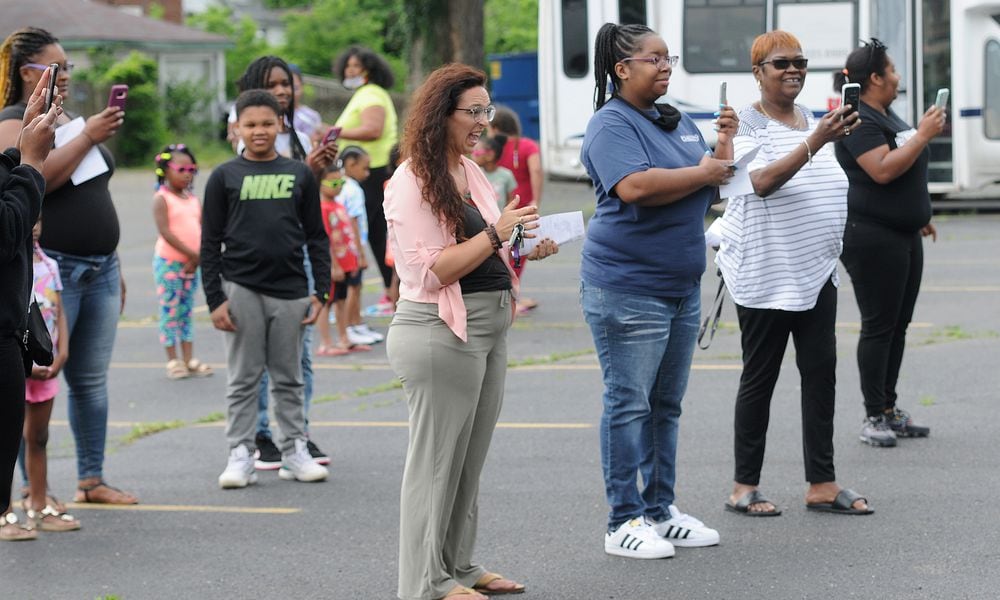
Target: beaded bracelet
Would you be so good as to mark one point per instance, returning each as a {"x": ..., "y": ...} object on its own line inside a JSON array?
[{"x": 491, "y": 232}]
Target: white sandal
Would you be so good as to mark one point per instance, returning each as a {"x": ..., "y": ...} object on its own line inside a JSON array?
[
  {"x": 177, "y": 370},
  {"x": 196, "y": 368},
  {"x": 59, "y": 522}
]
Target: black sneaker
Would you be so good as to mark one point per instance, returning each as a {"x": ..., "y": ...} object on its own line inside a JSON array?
[
  {"x": 875, "y": 431},
  {"x": 267, "y": 457},
  {"x": 902, "y": 423},
  {"x": 318, "y": 455}
]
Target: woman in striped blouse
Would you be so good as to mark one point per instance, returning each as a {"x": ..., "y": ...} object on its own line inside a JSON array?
[{"x": 778, "y": 256}]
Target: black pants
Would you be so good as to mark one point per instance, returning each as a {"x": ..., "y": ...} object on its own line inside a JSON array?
[
  {"x": 765, "y": 336},
  {"x": 11, "y": 411},
  {"x": 374, "y": 188},
  {"x": 885, "y": 266}
]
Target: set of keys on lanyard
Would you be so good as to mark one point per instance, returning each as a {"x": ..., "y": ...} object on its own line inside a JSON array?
[{"x": 516, "y": 239}]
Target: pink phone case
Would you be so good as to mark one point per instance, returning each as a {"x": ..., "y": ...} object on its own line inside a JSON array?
[
  {"x": 118, "y": 95},
  {"x": 331, "y": 135}
]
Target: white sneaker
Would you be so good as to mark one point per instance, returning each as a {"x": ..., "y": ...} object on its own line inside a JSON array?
[
  {"x": 685, "y": 531},
  {"x": 239, "y": 471},
  {"x": 355, "y": 336},
  {"x": 364, "y": 329},
  {"x": 636, "y": 539},
  {"x": 297, "y": 464}
]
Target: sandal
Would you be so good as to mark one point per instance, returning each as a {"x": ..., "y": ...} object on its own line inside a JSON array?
[
  {"x": 843, "y": 504},
  {"x": 83, "y": 495},
  {"x": 12, "y": 531},
  {"x": 51, "y": 500},
  {"x": 460, "y": 590},
  {"x": 177, "y": 370},
  {"x": 483, "y": 585},
  {"x": 742, "y": 505},
  {"x": 50, "y": 519},
  {"x": 198, "y": 369}
]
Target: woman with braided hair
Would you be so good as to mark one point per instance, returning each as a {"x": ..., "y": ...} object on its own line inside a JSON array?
[
  {"x": 643, "y": 259},
  {"x": 81, "y": 233}
]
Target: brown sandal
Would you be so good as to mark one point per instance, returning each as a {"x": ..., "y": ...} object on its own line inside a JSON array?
[
  {"x": 12, "y": 531},
  {"x": 50, "y": 519},
  {"x": 83, "y": 495},
  {"x": 460, "y": 590},
  {"x": 482, "y": 586}
]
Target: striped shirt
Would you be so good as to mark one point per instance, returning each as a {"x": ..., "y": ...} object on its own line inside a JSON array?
[{"x": 778, "y": 252}]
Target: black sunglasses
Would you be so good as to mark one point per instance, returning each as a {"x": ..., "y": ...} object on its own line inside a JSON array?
[{"x": 782, "y": 63}]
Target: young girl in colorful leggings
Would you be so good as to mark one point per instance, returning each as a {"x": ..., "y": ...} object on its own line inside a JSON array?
[{"x": 175, "y": 262}]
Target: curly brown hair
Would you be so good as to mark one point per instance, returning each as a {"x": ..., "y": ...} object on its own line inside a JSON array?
[{"x": 425, "y": 139}]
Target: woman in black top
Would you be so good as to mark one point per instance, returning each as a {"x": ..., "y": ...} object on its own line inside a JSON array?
[
  {"x": 81, "y": 233},
  {"x": 21, "y": 189},
  {"x": 888, "y": 210}
]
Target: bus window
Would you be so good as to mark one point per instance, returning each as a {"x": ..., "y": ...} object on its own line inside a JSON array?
[
  {"x": 632, "y": 12},
  {"x": 575, "y": 38},
  {"x": 991, "y": 91},
  {"x": 828, "y": 30},
  {"x": 718, "y": 34}
]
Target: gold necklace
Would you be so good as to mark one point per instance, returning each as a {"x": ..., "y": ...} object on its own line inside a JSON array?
[{"x": 795, "y": 125}]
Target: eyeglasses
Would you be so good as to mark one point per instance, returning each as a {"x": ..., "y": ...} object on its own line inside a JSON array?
[
  {"x": 192, "y": 169},
  {"x": 782, "y": 63},
  {"x": 479, "y": 112},
  {"x": 332, "y": 183},
  {"x": 68, "y": 67},
  {"x": 659, "y": 61}
]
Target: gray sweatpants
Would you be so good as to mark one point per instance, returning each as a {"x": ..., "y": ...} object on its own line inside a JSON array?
[
  {"x": 268, "y": 334},
  {"x": 454, "y": 391}
]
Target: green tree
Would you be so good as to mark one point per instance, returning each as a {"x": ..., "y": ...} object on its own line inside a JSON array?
[
  {"x": 511, "y": 26},
  {"x": 315, "y": 38},
  {"x": 243, "y": 33},
  {"x": 144, "y": 129}
]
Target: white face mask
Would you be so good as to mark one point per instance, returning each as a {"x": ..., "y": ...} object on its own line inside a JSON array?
[{"x": 353, "y": 83}]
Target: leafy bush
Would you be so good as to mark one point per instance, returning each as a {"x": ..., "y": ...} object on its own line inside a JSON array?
[
  {"x": 187, "y": 109},
  {"x": 144, "y": 129}
]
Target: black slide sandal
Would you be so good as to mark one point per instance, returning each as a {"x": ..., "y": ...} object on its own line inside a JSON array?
[
  {"x": 843, "y": 504},
  {"x": 742, "y": 507}
]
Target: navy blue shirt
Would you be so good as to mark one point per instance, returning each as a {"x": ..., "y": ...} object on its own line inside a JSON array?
[{"x": 649, "y": 251}]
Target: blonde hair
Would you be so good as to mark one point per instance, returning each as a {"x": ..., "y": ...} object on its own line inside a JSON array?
[
  {"x": 15, "y": 52},
  {"x": 766, "y": 43}
]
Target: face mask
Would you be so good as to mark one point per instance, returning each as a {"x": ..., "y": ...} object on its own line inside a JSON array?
[{"x": 353, "y": 83}]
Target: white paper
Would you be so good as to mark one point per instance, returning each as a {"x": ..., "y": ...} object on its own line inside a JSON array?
[
  {"x": 560, "y": 228},
  {"x": 739, "y": 184},
  {"x": 92, "y": 164}
]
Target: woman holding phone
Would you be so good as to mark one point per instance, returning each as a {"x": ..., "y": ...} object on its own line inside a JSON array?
[
  {"x": 888, "y": 211},
  {"x": 81, "y": 233}
]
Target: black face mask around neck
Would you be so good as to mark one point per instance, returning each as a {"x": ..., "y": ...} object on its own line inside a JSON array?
[{"x": 669, "y": 117}]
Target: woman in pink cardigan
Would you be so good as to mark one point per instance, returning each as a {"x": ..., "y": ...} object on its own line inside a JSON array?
[{"x": 448, "y": 338}]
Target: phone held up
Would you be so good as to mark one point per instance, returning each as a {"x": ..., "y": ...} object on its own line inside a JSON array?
[
  {"x": 851, "y": 94},
  {"x": 331, "y": 135},
  {"x": 722, "y": 95},
  {"x": 942, "y": 98},
  {"x": 117, "y": 96},
  {"x": 50, "y": 92}
]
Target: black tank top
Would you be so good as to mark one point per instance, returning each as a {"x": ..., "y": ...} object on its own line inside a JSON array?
[{"x": 491, "y": 275}]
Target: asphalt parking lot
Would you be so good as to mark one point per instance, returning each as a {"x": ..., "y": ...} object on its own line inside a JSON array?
[{"x": 542, "y": 509}]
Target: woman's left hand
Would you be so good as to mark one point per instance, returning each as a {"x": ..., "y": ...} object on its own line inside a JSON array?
[
  {"x": 545, "y": 248},
  {"x": 726, "y": 124},
  {"x": 929, "y": 230}
]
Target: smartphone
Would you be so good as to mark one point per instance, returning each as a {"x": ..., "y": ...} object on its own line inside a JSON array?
[
  {"x": 118, "y": 95},
  {"x": 942, "y": 98},
  {"x": 331, "y": 135},
  {"x": 851, "y": 94},
  {"x": 50, "y": 92},
  {"x": 722, "y": 95}
]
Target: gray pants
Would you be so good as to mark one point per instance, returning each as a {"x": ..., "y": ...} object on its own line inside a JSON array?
[
  {"x": 454, "y": 391},
  {"x": 268, "y": 334}
]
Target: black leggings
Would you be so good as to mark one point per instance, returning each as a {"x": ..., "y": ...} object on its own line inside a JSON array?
[
  {"x": 885, "y": 267},
  {"x": 764, "y": 335},
  {"x": 374, "y": 188},
  {"x": 11, "y": 411}
]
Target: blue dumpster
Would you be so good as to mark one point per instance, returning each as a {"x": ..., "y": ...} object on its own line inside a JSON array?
[{"x": 514, "y": 83}]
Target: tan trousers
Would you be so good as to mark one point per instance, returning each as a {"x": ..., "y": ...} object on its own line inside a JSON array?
[{"x": 454, "y": 391}]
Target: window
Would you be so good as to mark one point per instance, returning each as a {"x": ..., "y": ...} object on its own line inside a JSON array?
[
  {"x": 991, "y": 91},
  {"x": 632, "y": 12},
  {"x": 827, "y": 30},
  {"x": 718, "y": 34},
  {"x": 575, "y": 39}
]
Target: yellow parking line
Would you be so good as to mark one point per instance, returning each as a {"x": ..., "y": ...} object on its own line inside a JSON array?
[
  {"x": 384, "y": 367},
  {"x": 501, "y": 425},
  {"x": 259, "y": 510}
]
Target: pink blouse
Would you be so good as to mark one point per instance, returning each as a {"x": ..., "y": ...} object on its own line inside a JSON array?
[{"x": 418, "y": 237}]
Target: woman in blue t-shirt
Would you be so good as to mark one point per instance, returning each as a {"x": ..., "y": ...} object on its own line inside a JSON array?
[
  {"x": 654, "y": 178},
  {"x": 888, "y": 210}
]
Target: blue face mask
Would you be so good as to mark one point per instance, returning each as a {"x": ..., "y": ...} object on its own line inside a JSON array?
[{"x": 353, "y": 83}]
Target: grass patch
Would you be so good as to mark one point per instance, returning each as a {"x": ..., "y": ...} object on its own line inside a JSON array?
[
  {"x": 927, "y": 400},
  {"x": 955, "y": 333},
  {"x": 328, "y": 398},
  {"x": 388, "y": 386},
  {"x": 551, "y": 358},
  {"x": 212, "y": 418},
  {"x": 147, "y": 429}
]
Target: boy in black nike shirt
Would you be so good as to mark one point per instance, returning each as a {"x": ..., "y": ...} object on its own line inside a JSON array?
[{"x": 259, "y": 210}]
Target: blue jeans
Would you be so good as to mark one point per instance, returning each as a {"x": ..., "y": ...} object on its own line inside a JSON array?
[
  {"x": 263, "y": 423},
  {"x": 91, "y": 299},
  {"x": 645, "y": 345}
]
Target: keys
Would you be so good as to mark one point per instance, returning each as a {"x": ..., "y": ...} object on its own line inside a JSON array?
[{"x": 516, "y": 237}]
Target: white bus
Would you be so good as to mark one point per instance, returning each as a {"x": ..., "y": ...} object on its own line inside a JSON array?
[{"x": 935, "y": 44}]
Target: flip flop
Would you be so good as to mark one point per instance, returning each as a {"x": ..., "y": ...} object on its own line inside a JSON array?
[
  {"x": 742, "y": 506},
  {"x": 484, "y": 581},
  {"x": 843, "y": 504}
]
